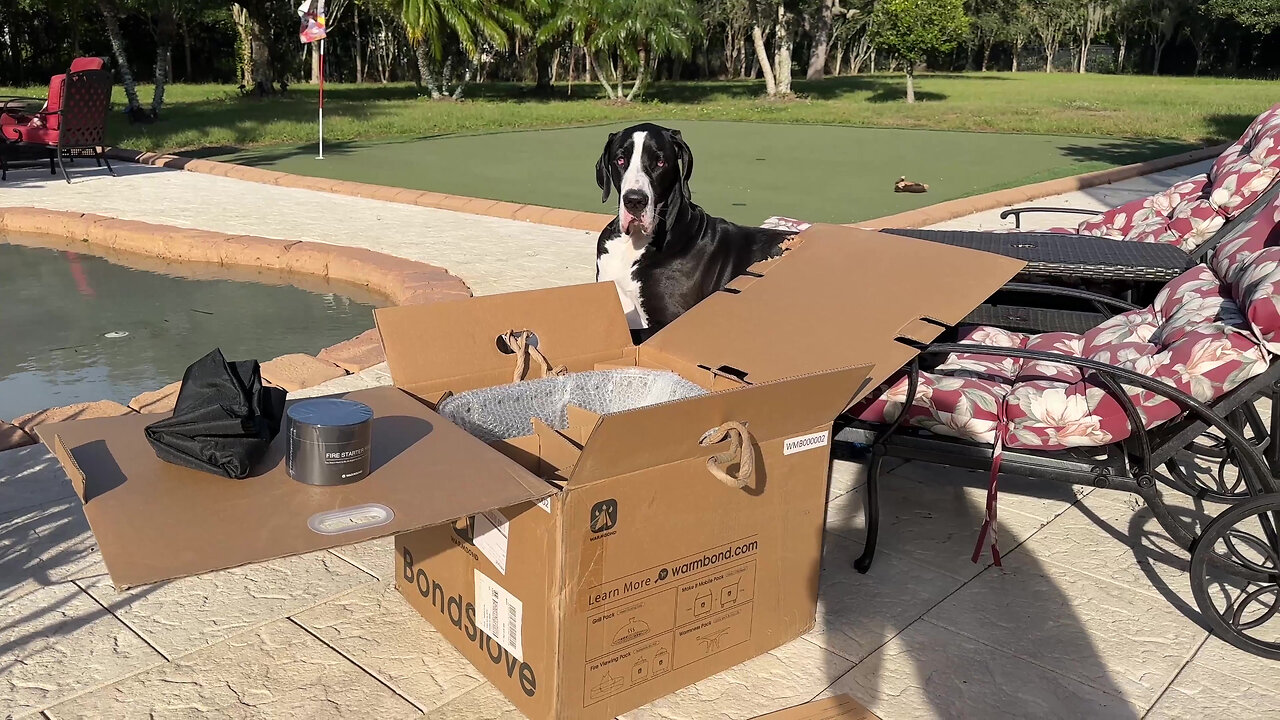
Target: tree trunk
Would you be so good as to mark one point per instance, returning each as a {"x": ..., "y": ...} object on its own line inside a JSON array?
[
  {"x": 911, "y": 85},
  {"x": 314, "y": 49},
  {"x": 542, "y": 57},
  {"x": 162, "y": 77},
  {"x": 1124, "y": 45},
  {"x": 986, "y": 54},
  {"x": 573, "y": 56},
  {"x": 782, "y": 42},
  {"x": 425, "y": 71},
  {"x": 355, "y": 28},
  {"x": 188, "y": 70},
  {"x": 821, "y": 41},
  {"x": 594, "y": 69},
  {"x": 1017, "y": 49},
  {"x": 112, "y": 23},
  {"x": 466, "y": 79},
  {"x": 1049, "y": 52},
  {"x": 555, "y": 66},
  {"x": 762, "y": 57},
  {"x": 641, "y": 69},
  {"x": 1159, "y": 47},
  {"x": 258, "y": 71},
  {"x": 839, "y": 58},
  {"x": 1084, "y": 54}
]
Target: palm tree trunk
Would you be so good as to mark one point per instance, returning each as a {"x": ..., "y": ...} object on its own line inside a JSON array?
[
  {"x": 762, "y": 57},
  {"x": 466, "y": 78},
  {"x": 162, "y": 67},
  {"x": 424, "y": 70},
  {"x": 640, "y": 73},
  {"x": 593, "y": 69},
  {"x": 117, "y": 48}
]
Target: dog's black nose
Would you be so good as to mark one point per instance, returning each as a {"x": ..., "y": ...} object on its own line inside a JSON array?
[{"x": 635, "y": 201}]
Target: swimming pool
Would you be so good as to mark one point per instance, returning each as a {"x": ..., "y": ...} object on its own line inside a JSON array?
[{"x": 77, "y": 328}]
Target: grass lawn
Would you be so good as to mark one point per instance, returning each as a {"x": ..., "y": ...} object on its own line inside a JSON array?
[
  {"x": 1197, "y": 110},
  {"x": 743, "y": 171}
]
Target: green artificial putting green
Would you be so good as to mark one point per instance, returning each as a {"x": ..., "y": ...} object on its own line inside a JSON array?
[{"x": 745, "y": 172}]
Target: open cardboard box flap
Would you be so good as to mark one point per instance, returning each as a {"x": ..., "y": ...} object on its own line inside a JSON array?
[
  {"x": 839, "y": 295},
  {"x": 155, "y": 521},
  {"x": 455, "y": 345}
]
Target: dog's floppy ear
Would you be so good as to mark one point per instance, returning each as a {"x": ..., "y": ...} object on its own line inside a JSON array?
[
  {"x": 603, "y": 177},
  {"x": 685, "y": 156}
]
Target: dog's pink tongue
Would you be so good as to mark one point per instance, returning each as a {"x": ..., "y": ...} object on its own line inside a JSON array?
[{"x": 627, "y": 222}]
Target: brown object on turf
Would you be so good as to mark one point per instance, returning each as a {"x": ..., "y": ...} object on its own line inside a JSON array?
[{"x": 905, "y": 185}]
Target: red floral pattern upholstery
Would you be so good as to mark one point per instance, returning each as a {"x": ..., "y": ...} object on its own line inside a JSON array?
[
  {"x": 1191, "y": 212},
  {"x": 1208, "y": 331}
]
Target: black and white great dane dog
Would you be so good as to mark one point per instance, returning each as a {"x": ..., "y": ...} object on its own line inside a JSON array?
[{"x": 662, "y": 251}]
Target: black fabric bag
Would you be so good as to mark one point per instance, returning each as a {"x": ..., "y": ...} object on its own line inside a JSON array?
[{"x": 224, "y": 419}]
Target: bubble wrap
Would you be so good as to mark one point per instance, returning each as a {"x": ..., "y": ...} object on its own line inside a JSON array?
[{"x": 505, "y": 411}]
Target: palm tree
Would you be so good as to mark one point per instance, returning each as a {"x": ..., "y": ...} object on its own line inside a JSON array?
[
  {"x": 443, "y": 31},
  {"x": 632, "y": 34}
]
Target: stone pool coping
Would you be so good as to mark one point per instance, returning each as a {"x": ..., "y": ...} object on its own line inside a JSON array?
[
  {"x": 961, "y": 207},
  {"x": 403, "y": 282},
  {"x": 593, "y": 222},
  {"x": 558, "y": 217}
]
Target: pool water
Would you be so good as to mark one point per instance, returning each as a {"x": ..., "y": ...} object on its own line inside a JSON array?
[{"x": 77, "y": 328}]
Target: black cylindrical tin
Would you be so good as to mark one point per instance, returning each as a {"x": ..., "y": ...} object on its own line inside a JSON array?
[{"x": 329, "y": 441}]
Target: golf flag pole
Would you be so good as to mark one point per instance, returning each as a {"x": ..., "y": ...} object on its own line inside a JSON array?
[
  {"x": 313, "y": 29},
  {"x": 320, "y": 156}
]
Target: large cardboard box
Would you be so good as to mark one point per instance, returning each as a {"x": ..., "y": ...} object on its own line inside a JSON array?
[
  {"x": 643, "y": 572},
  {"x": 589, "y": 569}
]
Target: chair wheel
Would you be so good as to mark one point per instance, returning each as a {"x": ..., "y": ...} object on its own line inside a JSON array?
[{"x": 1235, "y": 575}]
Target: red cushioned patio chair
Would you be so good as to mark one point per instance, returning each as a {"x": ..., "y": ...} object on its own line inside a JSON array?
[
  {"x": 72, "y": 121},
  {"x": 1109, "y": 407}
]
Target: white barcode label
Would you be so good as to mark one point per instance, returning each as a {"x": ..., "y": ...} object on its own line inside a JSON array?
[
  {"x": 499, "y": 614},
  {"x": 545, "y": 503},
  {"x": 491, "y": 538},
  {"x": 806, "y": 442}
]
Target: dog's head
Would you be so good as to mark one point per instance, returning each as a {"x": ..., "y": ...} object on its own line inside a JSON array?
[{"x": 650, "y": 167}]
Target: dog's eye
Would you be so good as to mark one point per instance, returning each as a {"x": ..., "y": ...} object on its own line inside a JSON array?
[{"x": 622, "y": 160}]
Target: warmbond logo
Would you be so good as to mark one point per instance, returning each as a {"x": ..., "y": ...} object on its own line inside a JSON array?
[
  {"x": 463, "y": 617},
  {"x": 709, "y": 560},
  {"x": 604, "y": 515}
]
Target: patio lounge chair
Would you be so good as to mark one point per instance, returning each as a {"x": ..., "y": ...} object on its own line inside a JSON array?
[
  {"x": 1108, "y": 407},
  {"x": 1191, "y": 214},
  {"x": 72, "y": 121}
]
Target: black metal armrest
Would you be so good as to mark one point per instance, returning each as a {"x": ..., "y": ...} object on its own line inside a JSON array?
[
  {"x": 1100, "y": 301},
  {"x": 1257, "y": 476},
  {"x": 7, "y": 102},
  {"x": 1017, "y": 212}
]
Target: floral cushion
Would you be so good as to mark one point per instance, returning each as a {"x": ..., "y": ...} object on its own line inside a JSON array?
[
  {"x": 1207, "y": 331},
  {"x": 1192, "y": 211}
]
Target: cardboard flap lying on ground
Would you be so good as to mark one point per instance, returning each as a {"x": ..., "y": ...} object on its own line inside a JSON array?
[
  {"x": 660, "y": 434},
  {"x": 432, "y": 345},
  {"x": 840, "y": 294},
  {"x": 155, "y": 521}
]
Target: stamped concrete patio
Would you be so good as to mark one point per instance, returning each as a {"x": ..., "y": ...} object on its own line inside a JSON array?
[{"x": 1091, "y": 616}]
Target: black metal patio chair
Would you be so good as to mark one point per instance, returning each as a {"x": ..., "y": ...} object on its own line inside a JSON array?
[{"x": 1110, "y": 407}]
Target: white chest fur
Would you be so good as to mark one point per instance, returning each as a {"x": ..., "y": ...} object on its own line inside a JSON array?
[{"x": 618, "y": 263}]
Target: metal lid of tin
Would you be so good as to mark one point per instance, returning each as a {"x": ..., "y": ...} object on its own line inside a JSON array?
[{"x": 330, "y": 412}]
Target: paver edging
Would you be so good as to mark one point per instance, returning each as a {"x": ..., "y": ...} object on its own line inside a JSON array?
[
  {"x": 960, "y": 207},
  {"x": 536, "y": 214},
  {"x": 402, "y": 281}
]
